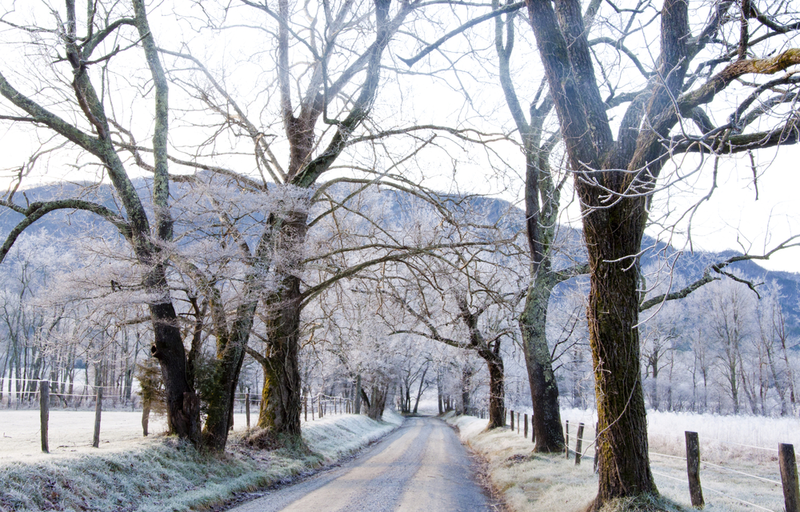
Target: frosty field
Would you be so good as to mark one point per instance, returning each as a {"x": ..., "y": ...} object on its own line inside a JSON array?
[
  {"x": 71, "y": 433},
  {"x": 739, "y": 470},
  {"x": 131, "y": 473}
]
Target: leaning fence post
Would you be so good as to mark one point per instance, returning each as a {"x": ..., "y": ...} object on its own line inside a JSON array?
[
  {"x": 791, "y": 493},
  {"x": 566, "y": 438},
  {"x": 579, "y": 444},
  {"x": 247, "y": 407},
  {"x": 98, "y": 410},
  {"x": 526, "y": 425},
  {"x": 44, "y": 412},
  {"x": 693, "y": 468}
]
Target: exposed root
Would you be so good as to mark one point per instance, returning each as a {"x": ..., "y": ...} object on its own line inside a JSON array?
[
  {"x": 640, "y": 503},
  {"x": 267, "y": 439}
]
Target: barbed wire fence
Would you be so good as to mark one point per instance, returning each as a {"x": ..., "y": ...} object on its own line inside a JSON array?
[
  {"x": 44, "y": 394},
  {"x": 583, "y": 443}
]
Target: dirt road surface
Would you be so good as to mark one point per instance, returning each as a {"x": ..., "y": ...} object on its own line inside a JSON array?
[{"x": 421, "y": 466}]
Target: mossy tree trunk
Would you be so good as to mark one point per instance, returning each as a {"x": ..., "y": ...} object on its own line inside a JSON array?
[
  {"x": 613, "y": 235},
  {"x": 546, "y": 419},
  {"x": 542, "y": 196},
  {"x": 281, "y": 400}
]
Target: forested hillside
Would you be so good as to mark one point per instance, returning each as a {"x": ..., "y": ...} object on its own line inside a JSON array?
[{"x": 58, "y": 300}]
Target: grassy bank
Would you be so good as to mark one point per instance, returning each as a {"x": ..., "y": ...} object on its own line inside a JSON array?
[
  {"x": 166, "y": 475},
  {"x": 551, "y": 483}
]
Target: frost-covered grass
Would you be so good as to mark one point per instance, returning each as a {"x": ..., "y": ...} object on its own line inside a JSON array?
[
  {"x": 161, "y": 474},
  {"x": 552, "y": 483}
]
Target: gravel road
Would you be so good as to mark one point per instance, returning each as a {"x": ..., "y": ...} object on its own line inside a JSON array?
[{"x": 421, "y": 466}]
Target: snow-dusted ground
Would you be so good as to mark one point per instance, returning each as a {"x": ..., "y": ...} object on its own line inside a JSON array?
[
  {"x": 70, "y": 432},
  {"x": 739, "y": 472},
  {"x": 131, "y": 473}
]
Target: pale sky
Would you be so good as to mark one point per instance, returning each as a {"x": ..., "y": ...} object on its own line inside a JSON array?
[{"x": 731, "y": 212}]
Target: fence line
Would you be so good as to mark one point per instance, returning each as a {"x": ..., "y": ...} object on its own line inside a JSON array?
[
  {"x": 788, "y": 484},
  {"x": 745, "y": 445},
  {"x": 724, "y": 468},
  {"x": 667, "y": 456},
  {"x": 741, "y": 473},
  {"x": 669, "y": 477}
]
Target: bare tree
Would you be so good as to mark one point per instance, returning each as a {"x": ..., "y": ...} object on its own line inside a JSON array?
[
  {"x": 616, "y": 177},
  {"x": 86, "y": 126},
  {"x": 322, "y": 107},
  {"x": 463, "y": 300}
]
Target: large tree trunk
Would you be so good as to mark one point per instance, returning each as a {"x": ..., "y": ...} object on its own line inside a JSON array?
[
  {"x": 612, "y": 235},
  {"x": 377, "y": 404},
  {"x": 281, "y": 400},
  {"x": 497, "y": 393},
  {"x": 226, "y": 369},
  {"x": 541, "y": 212},
  {"x": 546, "y": 420},
  {"x": 220, "y": 404},
  {"x": 466, "y": 390},
  {"x": 182, "y": 403}
]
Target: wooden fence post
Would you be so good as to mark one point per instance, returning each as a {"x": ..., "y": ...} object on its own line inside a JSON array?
[
  {"x": 44, "y": 412},
  {"x": 693, "y": 468},
  {"x": 791, "y": 493},
  {"x": 312, "y": 408},
  {"x": 98, "y": 410},
  {"x": 247, "y": 407},
  {"x": 512, "y": 421},
  {"x": 305, "y": 408},
  {"x": 526, "y": 425},
  {"x": 518, "y": 422},
  {"x": 579, "y": 444},
  {"x": 566, "y": 438}
]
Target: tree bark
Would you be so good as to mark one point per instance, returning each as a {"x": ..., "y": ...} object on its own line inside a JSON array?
[
  {"x": 182, "y": 403},
  {"x": 541, "y": 211},
  {"x": 219, "y": 408},
  {"x": 546, "y": 419},
  {"x": 357, "y": 399},
  {"x": 612, "y": 235},
  {"x": 466, "y": 391},
  {"x": 378, "y": 402},
  {"x": 281, "y": 402},
  {"x": 497, "y": 386}
]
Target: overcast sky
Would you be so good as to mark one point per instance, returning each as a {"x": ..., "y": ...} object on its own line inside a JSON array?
[{"x": 731, "y": 219}]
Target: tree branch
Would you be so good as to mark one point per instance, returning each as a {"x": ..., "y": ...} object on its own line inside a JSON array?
[
  {"x": 718, "y": 268},
  {"x": 480, "y": 19},
  {"x": 38, "y": 210}
]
